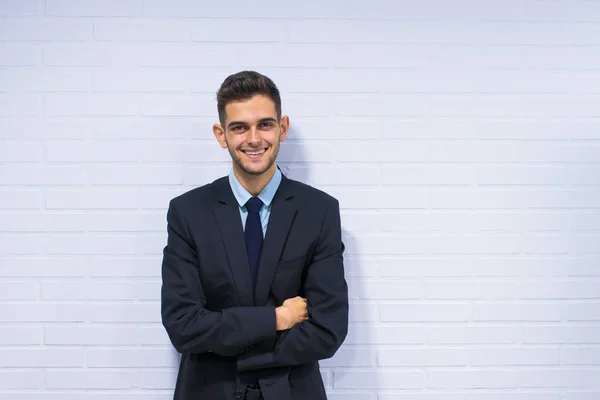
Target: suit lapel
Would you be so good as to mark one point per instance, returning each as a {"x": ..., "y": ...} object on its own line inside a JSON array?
[
  {"x": 227, "y": 212},
  {"x": 282, "y": 215}
]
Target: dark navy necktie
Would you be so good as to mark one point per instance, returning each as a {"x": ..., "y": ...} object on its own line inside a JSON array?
[{"x": 253, "y": 234}]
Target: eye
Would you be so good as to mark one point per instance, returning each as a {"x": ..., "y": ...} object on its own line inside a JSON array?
[
  {"x": 237, "y": 128},
  {"x": 269, "y": 124}
]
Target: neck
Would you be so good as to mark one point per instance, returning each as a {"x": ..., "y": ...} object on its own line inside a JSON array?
[{"x": 254, "y": 184}]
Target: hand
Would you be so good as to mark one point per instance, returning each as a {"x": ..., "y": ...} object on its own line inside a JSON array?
[{"x": 292, "y": 312}]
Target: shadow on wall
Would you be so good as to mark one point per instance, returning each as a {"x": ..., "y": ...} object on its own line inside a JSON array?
[
  {"x": 292, "y": 161},
  {"x": 357, "y": 350},
  {"x": 292, "y": 157}
]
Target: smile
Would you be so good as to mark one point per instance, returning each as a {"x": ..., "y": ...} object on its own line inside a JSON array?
[{"x": 254, "y": 153}]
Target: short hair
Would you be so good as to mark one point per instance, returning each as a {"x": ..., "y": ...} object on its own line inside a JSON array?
[{"x": 243, "y": 86}]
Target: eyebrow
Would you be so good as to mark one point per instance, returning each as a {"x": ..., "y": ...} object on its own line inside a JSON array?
[{"x": 267, "y": 119}]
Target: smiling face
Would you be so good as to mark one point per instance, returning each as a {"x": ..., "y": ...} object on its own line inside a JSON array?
[{"x": 251, "y": 133}]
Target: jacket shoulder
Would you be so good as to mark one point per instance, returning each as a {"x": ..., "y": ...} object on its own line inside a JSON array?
[
  {"x": 198, "y": 196},
  {"x": 311, "y": 195}
]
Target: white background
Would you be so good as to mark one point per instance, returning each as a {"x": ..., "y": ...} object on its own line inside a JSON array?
[{"x": 462, "y": 139}]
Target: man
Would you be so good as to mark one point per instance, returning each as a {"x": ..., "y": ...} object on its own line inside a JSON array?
[{"x": 253, "y": 292}]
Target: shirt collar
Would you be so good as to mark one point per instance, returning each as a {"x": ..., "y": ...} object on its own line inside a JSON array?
[{"x": 266, "y": 195}]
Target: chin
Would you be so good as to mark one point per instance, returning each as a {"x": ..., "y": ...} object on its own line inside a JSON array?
[{"x": 254, "y": 170}]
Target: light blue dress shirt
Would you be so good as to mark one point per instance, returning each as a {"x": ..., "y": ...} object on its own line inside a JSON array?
[{"x": 266, "y": 196}]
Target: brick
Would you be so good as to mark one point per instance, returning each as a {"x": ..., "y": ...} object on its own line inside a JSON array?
[
  {"x": 150, "y": 30},
  {"x": 582, "y": 312},
  {"x": 21, "y": 379},
  {"x": 42, "y": 267},
  {"x": 368, "y": 334},
  {"x": 558, "y": 378},
  {"x": 92, "y": 199},
  {"x": 20, "y": 8},
  {"x": 158, "y": 380},
  {"x": 371, "y": 290},
  {"x": 333, "y": 175},
  {"x": 255, "y": 31},
  {"x": 20, "y": 336},
  {"x": 46, "y": 175},
  {"x": 20, "y": 199},
  {"x": 453, "y": 335},
  {"x": 582, "y": 395},
  {"x": 20, "y": 54},
  {"x": 113, "y": 395},
  {"x": 19, "y": 105},
  {"x": 425, "y": 312},
  {"x": 177, "y": 106},
  {"x": 17, "y": 151},
  {"x": 350, "y": 357},
  {"x": 425, "y": 266},
  {"x": 200, "y": 176},
  {"x": 132, "y": 358},
  {"x": 44, "y": 358},
  {"x": 468, "y": 290},
  {"x": 146, "y": 128},
  {"x": 547, "y": 312},
  {"x": 535, "y": 266},
  {"x": 90, "y": 8},
  {"x": 559, "y": 290},
  {"x": 545, "y": 395},
  {"x": 13, "y": 244},
  {"x": 187, "y": 8},
  {"x": 422, "y": 357},
  {"x": 502, "y": 356},
  {"x": 127, "y": 222},
  {"x": 90, "y": 105},
  {"x": 426, "y": 175},
  {"x": 44, "y": 312},
  {"x": 43, "y": 128},
  {"x": 66, "y": 290},
  {"x": 363, "y": 312},
  {"x": 123, "y": 312},
  {"x": 38, "y": 222},
  {"x": 381, "y": 380},
  {"x": 580, "y": 355},
  {"x": 45, "y": 30},
  {"x": 136, "y": 175},
  {"x": 91, "y": 244},
  {"x": 122, "y": 267},
  {"x": 584, "y": 175},
  {"x": 18, "y": 291},
  {"x": 472, "y": 379},
  {"x": 349, "y": 396},
  {"x": 25, "y": 79},
  {"x": 90, "y": 379}
]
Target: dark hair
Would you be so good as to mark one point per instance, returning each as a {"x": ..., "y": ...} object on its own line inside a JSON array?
[{"x": 243, "y": 86}]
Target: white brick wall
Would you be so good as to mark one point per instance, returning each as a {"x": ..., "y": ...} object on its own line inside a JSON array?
[{"x": 462, "y": 139}]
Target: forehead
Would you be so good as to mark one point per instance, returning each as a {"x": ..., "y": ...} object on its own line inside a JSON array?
[{"x": 250, "y": 110}]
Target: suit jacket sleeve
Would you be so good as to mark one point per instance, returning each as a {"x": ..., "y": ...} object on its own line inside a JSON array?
[
  {"x": 327, "y": 295},
  {"x": 190, "y": 326}
]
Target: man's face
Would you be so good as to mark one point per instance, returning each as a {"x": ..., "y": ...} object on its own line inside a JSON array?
[{"x": 252, "y": 134}]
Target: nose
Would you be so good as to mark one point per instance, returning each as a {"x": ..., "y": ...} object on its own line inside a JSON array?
[{"x": 253, "y": 136}]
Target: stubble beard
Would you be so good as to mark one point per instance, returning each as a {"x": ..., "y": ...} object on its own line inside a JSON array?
[{"x": 239, "y": 163}]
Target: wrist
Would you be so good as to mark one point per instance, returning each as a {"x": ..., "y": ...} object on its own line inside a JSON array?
[{"x": 278, "y": 318}]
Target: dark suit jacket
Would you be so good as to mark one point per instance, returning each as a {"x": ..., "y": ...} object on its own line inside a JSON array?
[{"x": 210, "y": 313}]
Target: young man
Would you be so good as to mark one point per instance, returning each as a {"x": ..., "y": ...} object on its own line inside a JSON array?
[{"x": 253, "y": 290}]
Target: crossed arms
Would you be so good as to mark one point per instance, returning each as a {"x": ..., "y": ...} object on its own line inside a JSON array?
[{"x": 251, "y": 333}]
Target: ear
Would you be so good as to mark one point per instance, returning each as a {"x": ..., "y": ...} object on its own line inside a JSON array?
[
  {"x": 219, "y": 133},
  {"x": 284, "y": 125}
]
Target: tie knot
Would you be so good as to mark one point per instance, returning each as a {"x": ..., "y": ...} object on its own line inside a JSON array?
[{"x": 253, "y": 205}]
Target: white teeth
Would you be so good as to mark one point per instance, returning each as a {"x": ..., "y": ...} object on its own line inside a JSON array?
[{"x": 255, "y": 153}]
